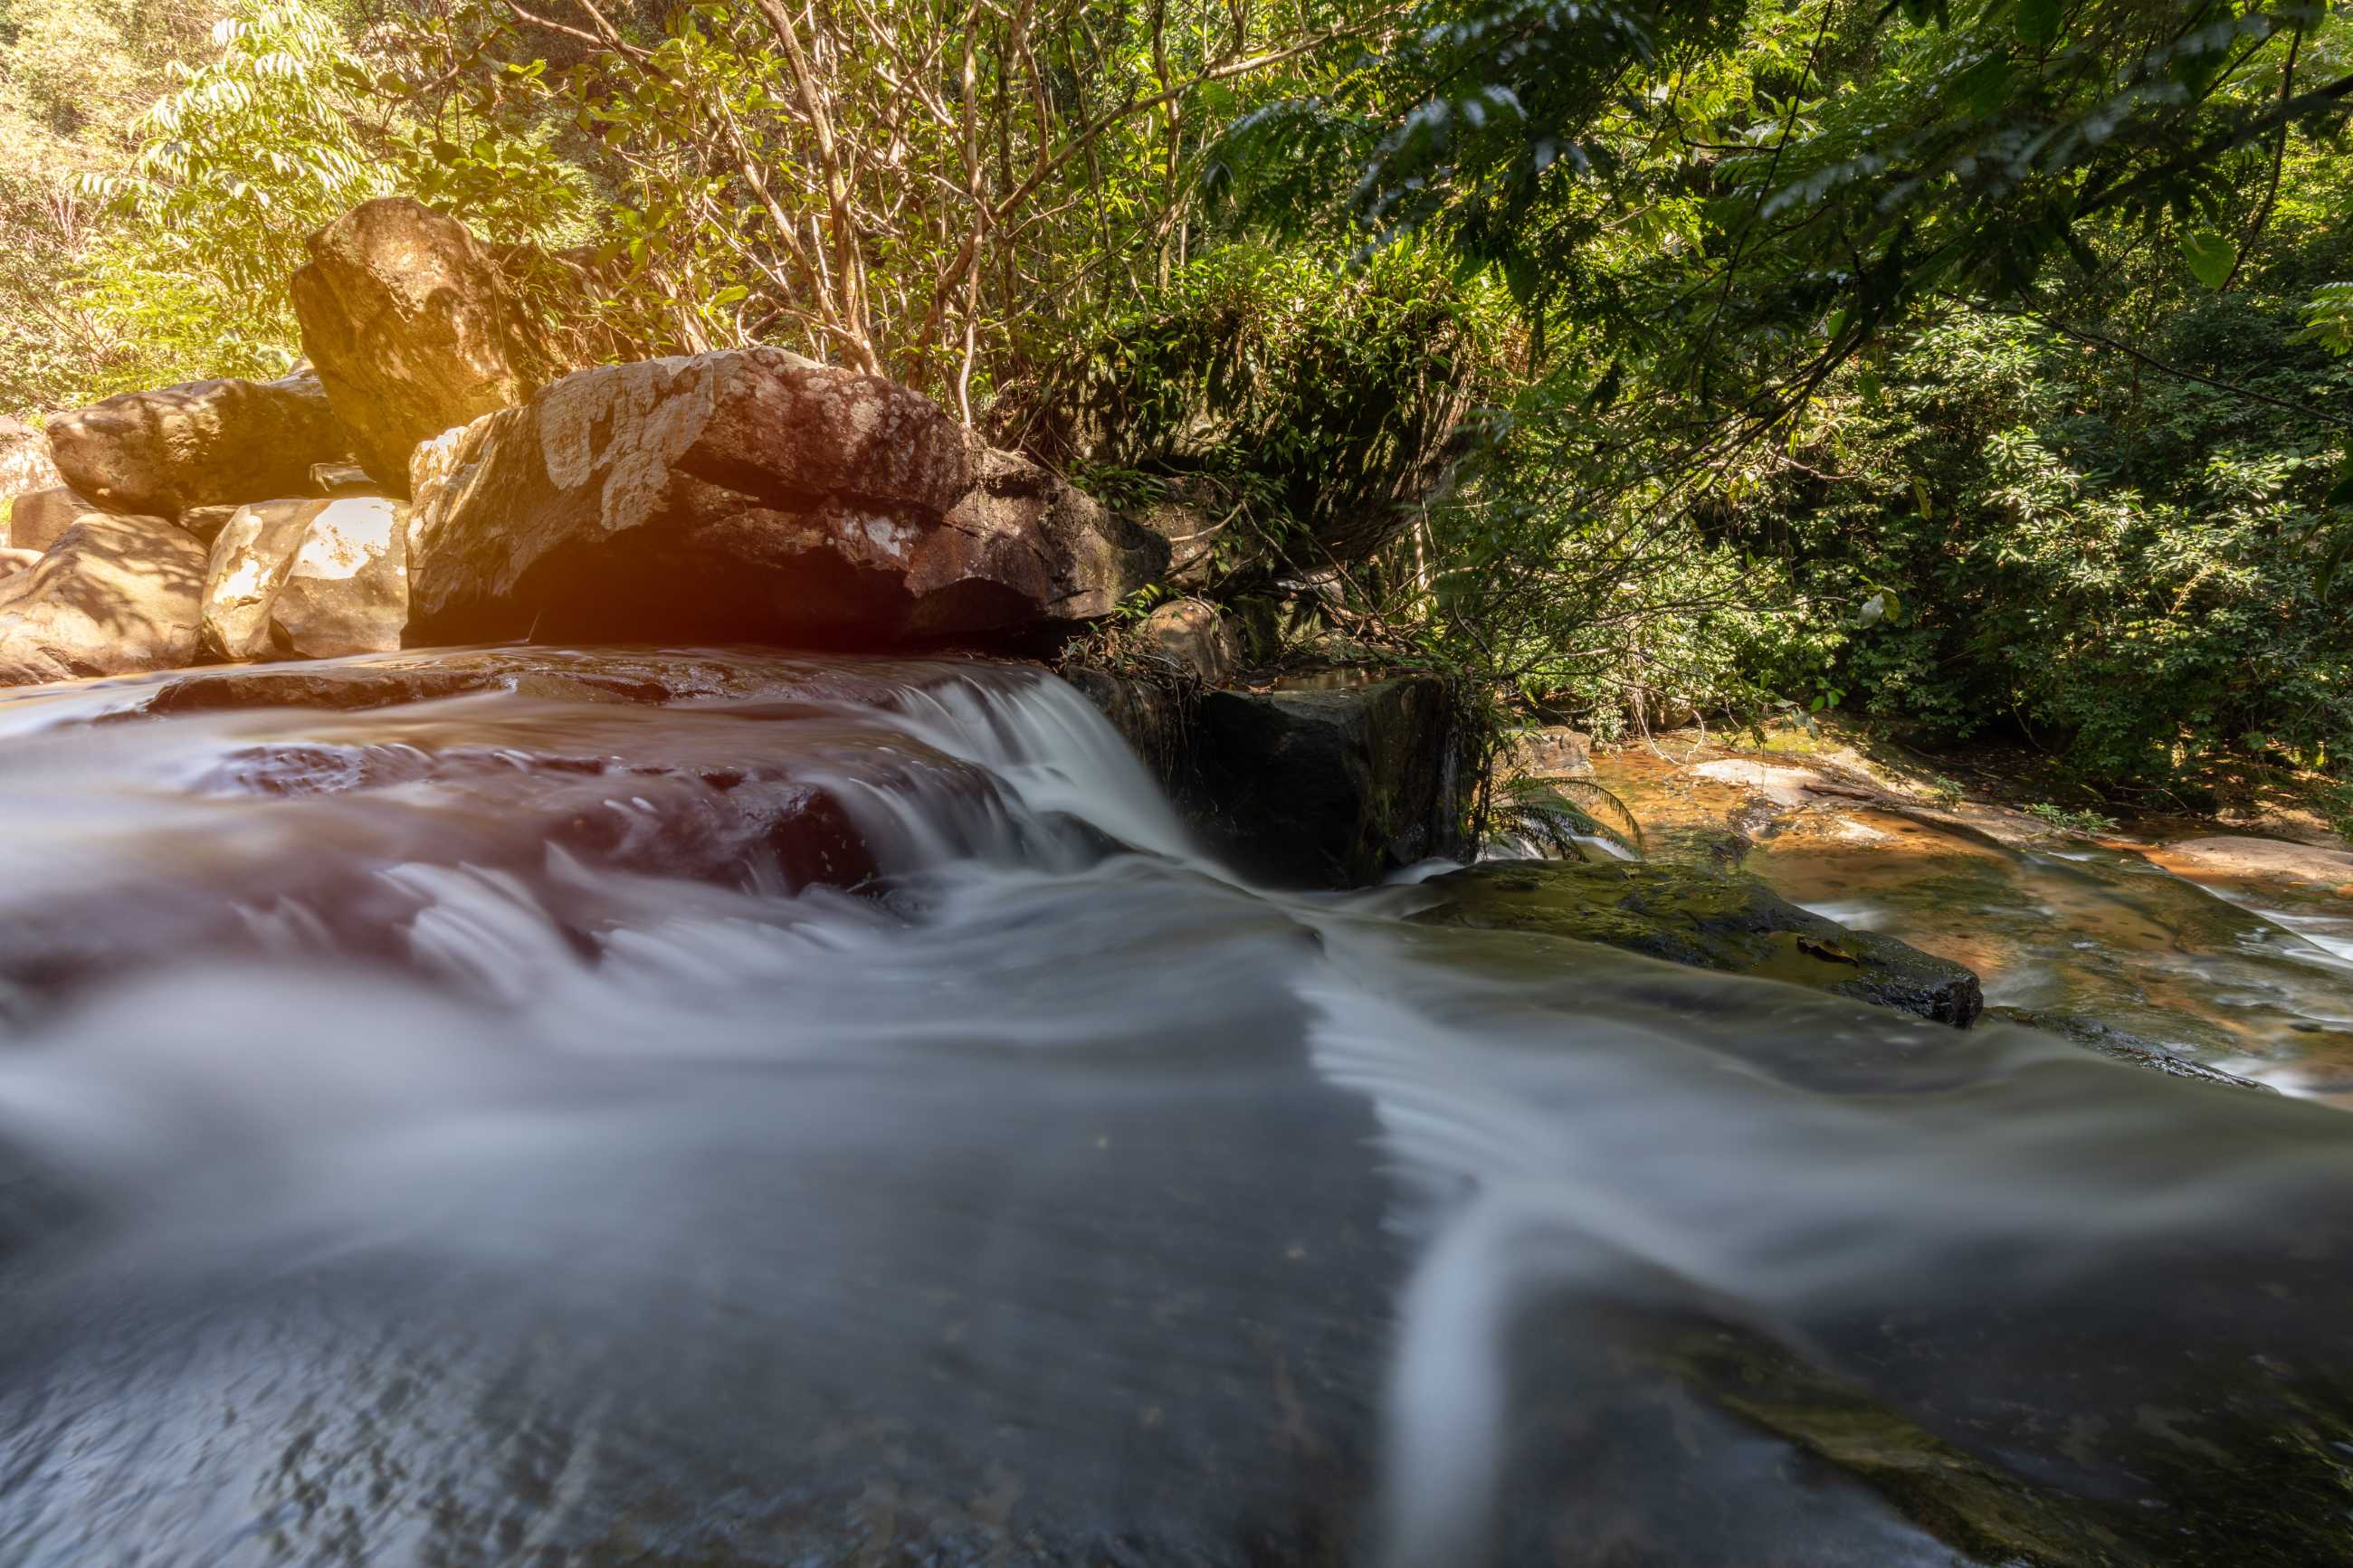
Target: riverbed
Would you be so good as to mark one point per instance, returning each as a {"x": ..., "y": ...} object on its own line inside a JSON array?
[{"x": 696, "y": 1106}]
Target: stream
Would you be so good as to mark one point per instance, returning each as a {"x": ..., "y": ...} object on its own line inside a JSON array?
[{"x": 455, "y": 1121}]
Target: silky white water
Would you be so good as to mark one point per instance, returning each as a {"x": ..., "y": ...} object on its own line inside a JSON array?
[{"x": 474, "y": 1129}]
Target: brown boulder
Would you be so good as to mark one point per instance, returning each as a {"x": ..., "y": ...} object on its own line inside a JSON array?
[
  {"x": 413, "y": 331},
  {"x": 752, "y": 495},
  {"x": 1190, "y": 635},
  {"x": 115, "y": 596},
  {"x": 39, "y": 519},
  {"x": 204, "y": 443}
]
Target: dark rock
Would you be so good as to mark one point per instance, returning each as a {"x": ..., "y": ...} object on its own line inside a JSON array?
[
  {"x": 206, "y": 522},
  {"x": 1328, "y": 789},
  {"x": 1729, "y": 922},
  {"x": 2120, "y": 1045},
  {"x": 115, "y": 595},
  {"x": 204, "y": 443},
  {"x": 343, "y": 480},
  {"x": 749, "y": 495},
  {"x": 413, "y": 331},
  {"x": 39, "y": 519}
]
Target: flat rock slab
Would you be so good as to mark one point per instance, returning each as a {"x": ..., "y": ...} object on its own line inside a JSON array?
[
  {"x": 2232, "y": 857},
  {"x": 1728, "y": 922}
]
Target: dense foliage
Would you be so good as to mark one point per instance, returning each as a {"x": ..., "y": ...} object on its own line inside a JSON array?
[{"x": 1981, "y": 369}]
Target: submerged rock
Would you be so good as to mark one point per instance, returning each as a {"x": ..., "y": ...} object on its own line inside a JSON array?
[
  {"x": 200, "y": 443},
  {"x": 113, "y": 595},
  {"x": 1722, "y": 921},
  {"x": 413, "y": 332},
  {"x": 2123, "y": 1046},
  {"x": 2242, "y": 857},
  {"x": 750, "y": 495}
]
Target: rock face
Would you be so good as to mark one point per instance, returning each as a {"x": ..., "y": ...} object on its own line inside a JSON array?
[
  {"x": 1710, "y": 921},
  {"x": 39, "y": 519},
  {"x": 404, "y": 315},
  {"x": 201, "y": 444},
  {"x": 1330, "y": 788},
  {"x": 315, "y": 578},
  {"x": 749, "y": 495},
  {"x": 1193, "y": 638},
  {"x": 115, "y": 595}
]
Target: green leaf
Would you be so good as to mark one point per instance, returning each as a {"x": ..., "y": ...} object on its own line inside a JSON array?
[
  {"x": 2211, "y": 257},
  {"x": 2037, "y": 25},
  {"x": 1985, "y": 86}
]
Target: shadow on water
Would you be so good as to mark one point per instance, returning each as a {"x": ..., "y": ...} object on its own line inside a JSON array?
[{"x": 475, "y": 1130}]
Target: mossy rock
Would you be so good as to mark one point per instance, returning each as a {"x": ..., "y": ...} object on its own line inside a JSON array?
[{"x": 1725, "y": 921}]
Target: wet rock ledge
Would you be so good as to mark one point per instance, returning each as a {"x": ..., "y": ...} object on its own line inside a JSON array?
[{"x": 1728, "y": 922}]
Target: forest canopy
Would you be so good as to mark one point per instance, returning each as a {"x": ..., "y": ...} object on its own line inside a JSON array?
[{"x": 1983, "y": 368}]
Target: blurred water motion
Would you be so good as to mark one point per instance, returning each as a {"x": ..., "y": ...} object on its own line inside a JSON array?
[{"x": 477, "y": 1130}]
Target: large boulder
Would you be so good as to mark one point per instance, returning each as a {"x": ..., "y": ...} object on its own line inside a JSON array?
[
  {"x": 752, "y": 495},
  {"x": 1331, "y": 787},
  {"x": 308, "y": 577},
  {"x": 1709, "y": 920},
  {"x": 113, "y": 596},
  {"x": 204, "y": 443},
  {"x": 412, "y": 328}
]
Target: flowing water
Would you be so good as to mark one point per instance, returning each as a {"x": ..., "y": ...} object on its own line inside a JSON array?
[{"x": 473, "y": 1129}]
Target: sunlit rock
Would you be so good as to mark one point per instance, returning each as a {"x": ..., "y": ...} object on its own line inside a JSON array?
[
  {"x": 204, "y": 443},
  {"x": 114, "y": 594},
  {"x": 2242, "y": 858},
  {"x": 1554, "y": 752},
  {"x": 315, "y": 578},
  {"x": 25, "y": 461},
  {"x": 1190, "y": 635},
  {"x": 1708, "y": 919},
  {"x": 750, "y": 495},
  {"x": 412, "y": 330},
  {"x": 247, "y": 566},
  {"x": 348, "y": 589}
]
